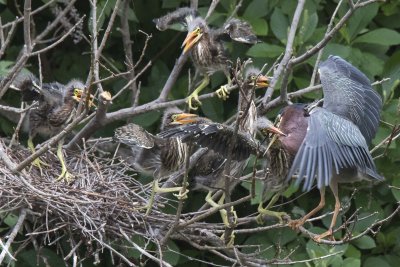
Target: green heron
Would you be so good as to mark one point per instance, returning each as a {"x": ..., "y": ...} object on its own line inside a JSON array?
[
  {"x": 205, "y": 45},
  {"x": 54, "y": 109},
  {"x": 207, "y": 173},
  {"x": 290, "y": 131},
  {"x": 335, "y": 145},
  {"x": 162, "y": 155}
]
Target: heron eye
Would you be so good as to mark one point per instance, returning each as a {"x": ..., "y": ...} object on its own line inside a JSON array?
[
  {"x": 76, "y": 92},
  {"x": 174, "y": 117},
  {"x": 198, "y": 30}
]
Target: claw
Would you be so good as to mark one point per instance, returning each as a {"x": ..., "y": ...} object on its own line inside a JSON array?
[
  {"x": 278, "y": 215},
  {"x": 295, "y": 224},
  {"x": 193, "y": 97},
  {"x": 231, "y": 241},
  {"x": 182, "y": 194},
  {"x": 223, "y": 92},
  {"x": 328, "y": 233},
  {"x": 65, "y": 176}
]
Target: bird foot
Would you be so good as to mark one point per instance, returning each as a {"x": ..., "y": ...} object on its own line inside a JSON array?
[
  {"x": 224, "y": 216},
  {"x": 182, "y": 194},
  {"x": 66, "y": 177},
  {"x": 38, "y": 163},
  {"x": 320, "y": 237},
  {"x": 223, "y": 92},
  {"x": 296, "y": 224},
  {"x": 279, "y": 215},
  {"x": 231, "y": 241},
  {"x": 194, "y": 97}
]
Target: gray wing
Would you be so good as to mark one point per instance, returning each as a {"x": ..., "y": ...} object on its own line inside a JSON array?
[
  {"x": 237, "y": 30},
  {"x": 134, "y": 135},
  {"x": 182, "y": 15},
  {"x": 331, "y": 143},
  {"x": 348, "y": 93}
]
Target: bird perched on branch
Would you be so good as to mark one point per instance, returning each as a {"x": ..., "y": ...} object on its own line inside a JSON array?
[
  {"x": 335, "y": 145},
  {"x": 155, "y": 155},
  {"x": 207, "y": 174},
  {"x": 289, "y": 132},
  {"x": 205, "y": 45},
  {"x": 55, "y": 104}
]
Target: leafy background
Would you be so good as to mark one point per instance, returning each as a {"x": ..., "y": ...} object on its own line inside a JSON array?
[{"x": 370, "y": 40}]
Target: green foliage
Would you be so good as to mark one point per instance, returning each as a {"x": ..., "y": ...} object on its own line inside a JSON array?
[{"x": 370, "y": 40}]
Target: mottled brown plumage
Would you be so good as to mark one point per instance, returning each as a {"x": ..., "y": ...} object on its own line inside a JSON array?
[
  {"x": 55, "y": 105},
  {"x": 205, "y": 44}
]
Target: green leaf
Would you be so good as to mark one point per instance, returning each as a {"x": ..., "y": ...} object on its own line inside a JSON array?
[
  {"x": 146, "y": 119},
  {"x": 260, "y": 26},
  {"x": 381, "y": 36},
  {"x": 396, "y": 191},
  {"x": 264, "y": 50},
  {"x": 391, "y": 70},
  {"x": 172, "y": 254},
  {"x": 360, "y": 19},
  {"x": 11, "y": 219},
  {"x": 351, "y": 262},
  {"x": 279, "y": 25},
  {"x": 364, "y": 242},
  {"x": 256, "y": 9},
  {"x": 375, "y": 261},
  {"x": 307, "y": 26}
]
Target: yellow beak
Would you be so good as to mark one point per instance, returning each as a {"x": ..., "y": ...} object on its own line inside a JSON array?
[
  {"x": 191, "y": 39},
  {"x": 78, "y": 93},
  {"x": 262, "y": 81},
  {"x": 183, "y": 118}
]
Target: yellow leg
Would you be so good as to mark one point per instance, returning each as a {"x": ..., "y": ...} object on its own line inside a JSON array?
[
  {"x": 65, "y": 175},
  {"x": 195, "y": 95},
  {"x": 37, "y": 162},
  {"x": 266, "y": 211},
  {"x": 156, "y": 188},
  {"x": 223, "y": 92},
  {"x": 224, "y": 215}
]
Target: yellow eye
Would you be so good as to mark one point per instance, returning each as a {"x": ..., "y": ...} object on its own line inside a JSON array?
[
  {"x": 253, "y": 77},
  {"x": 197, "y": 30},
  {"x": 174, "y": 117}
]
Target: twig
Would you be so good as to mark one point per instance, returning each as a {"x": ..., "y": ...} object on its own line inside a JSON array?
[
  {"x": 12, "y": 236},
  {"x": 284, "y": 64}
]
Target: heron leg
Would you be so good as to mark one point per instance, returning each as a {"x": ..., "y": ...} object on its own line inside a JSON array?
[
  {"x": 65, "y": 175},
  {"x": 265, "y": 211},
  {"x": 36, "y": 162},
  {"x": 157, "y": 189},
  {"x": 224, "y": 215},
  {"x": 329, "y": 233},
  {"x": 194, "y": 97},
  {"x": 223, "y": 92},
  {"x": 295, "y": 224}
]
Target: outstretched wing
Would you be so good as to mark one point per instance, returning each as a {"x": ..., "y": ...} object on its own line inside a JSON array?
[
  {"x": 134, "y": 135},
  {"x": 348, "y": 93},
  {"x": 217, "y": 137},
  {"x": 181, "y": 15},
  {"x": 331, "y": 143},
  {"x": 237, "y": 30}
]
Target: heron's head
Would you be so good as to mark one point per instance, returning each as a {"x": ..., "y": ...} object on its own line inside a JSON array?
[
  {"x": 196, "y": 30},
  {"x": 254, "y": 78},
  {"x": 79, "y": 92},
  {"x": 183, "y": 118},
  {"x": 266, "y": 127}
]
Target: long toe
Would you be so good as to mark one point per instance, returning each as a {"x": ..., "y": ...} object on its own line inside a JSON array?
[
  {"x": 295, "y": 224},
  {"x": 223, "y": 92},
  {"x": 182, "y": 194},
  {"x": 320, "y": 237}
]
